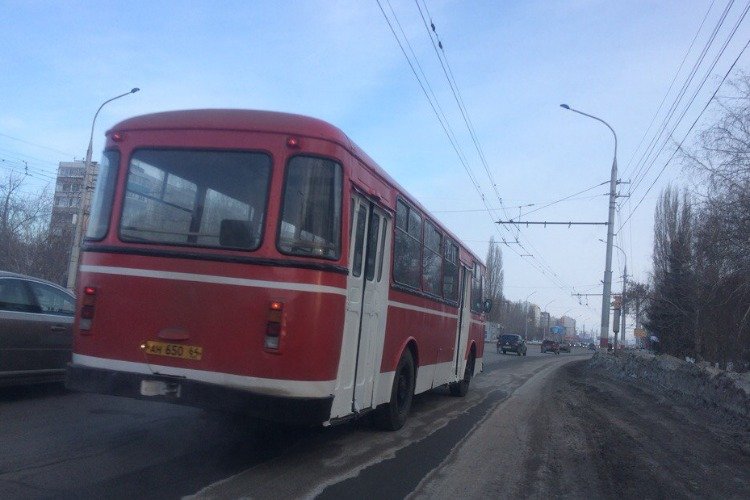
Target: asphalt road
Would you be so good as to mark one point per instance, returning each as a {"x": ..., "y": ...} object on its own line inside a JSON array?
[{"x": 530, "y": 426}]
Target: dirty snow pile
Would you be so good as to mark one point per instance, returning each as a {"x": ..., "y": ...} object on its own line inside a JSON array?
[{"x": 716, "y": 388}]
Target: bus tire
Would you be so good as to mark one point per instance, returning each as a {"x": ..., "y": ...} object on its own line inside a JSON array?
[
  {"x": 392, "y": 415},
  {"x": 459, "y": 389}
]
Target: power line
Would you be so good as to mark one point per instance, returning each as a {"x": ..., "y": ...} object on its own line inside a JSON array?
[
  {"x": 539, "y": 265},
  {"x": 37, "y": 145},
  {"x": 686, "y": 135},
  {"x": 421, "y": 85},
  {"x": 450, "y": 77},
  {"x": 641, "y": 164},
  {"x": 24, "y": 166},
  {"x": 674, "y": 79},
  {"x": 695, "y": 94},
  {"x": 566, "y": 198},
  {"x": 470, "y": 210}
]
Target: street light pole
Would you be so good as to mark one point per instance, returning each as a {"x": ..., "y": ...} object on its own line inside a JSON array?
[
  {"x": 526, "y": 316},
  {"x": 75, "y": 252},
  {"x": 607, "y": 290}
]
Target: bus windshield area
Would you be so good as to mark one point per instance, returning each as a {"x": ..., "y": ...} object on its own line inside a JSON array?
[{"x": 196, "y": 198}]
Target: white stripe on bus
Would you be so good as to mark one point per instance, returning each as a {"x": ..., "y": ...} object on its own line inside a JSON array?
[
  {"x": 205, "y": 278},
  {"x": 272, "y": 387},
  {"x": 410, "y": 307}
]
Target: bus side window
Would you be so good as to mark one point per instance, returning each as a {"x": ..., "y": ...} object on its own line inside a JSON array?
[
  {"x": 372, "y": 246},
  {"x": 359, "y": 241}
]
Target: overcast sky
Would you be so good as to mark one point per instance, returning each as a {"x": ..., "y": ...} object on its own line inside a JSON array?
[{"x": 514, "y": 63}]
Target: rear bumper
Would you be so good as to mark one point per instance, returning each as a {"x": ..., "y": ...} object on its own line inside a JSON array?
[{"x": 201, "y": 394}]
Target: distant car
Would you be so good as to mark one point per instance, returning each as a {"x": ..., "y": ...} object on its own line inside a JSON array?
[
  {"x": 513, "y": 343},
  {"x": 592, "y": 347},
  {"x": 549, "y": 345},
  {"x": 36, "y": 334},
  {"x": 565, "y": 346}
]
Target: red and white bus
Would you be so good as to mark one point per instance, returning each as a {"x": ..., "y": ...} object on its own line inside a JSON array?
[{"x": 260, "y": 262}]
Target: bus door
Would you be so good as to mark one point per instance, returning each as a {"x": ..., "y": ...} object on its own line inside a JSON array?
[
  {"x": 464, "y": 321},
  {"x": 366, "y": 307},
  {"x": 374, "y": 307}
]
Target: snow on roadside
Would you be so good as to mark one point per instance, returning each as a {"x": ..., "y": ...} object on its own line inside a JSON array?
[{"x": 716, "y": 388}]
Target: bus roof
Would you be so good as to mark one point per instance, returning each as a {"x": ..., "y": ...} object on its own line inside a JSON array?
[{"x": 265, "y": 121}]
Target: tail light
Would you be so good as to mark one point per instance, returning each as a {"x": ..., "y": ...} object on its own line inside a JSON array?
[
  {"x": 273, "y": 326},
  {"x": 87, "y": 308}
]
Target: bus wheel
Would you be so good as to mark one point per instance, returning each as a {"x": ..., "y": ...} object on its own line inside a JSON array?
[
  {"x": 461, "y": 388},
  {"x": 392, "y": 415}
]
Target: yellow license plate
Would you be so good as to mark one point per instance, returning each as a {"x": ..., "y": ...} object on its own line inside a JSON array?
[{"x": 173, "y": 350}]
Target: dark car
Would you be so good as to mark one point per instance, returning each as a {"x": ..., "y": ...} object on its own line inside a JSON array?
[
  {"x": 565, "y": 346},
  {"x": 592, "y": 347},
  {"x": 549, "y": 345},
  {"x": 511, "y": 342},
  {"x": 36, "y": 334}
]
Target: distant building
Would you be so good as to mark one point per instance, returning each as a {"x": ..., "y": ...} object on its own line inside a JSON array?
[
  {"x": 535, "y": 314},
  {"x": 570, "y": 326},
  {"x": 68, "y": 195}
]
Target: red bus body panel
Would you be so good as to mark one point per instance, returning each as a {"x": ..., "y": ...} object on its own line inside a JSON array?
[{"x": 219, "y": 299}]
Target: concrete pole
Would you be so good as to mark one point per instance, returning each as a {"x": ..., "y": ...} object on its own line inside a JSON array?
[
  {"x": 624, "y": 307},
  {"x": 607, "y": 289}
]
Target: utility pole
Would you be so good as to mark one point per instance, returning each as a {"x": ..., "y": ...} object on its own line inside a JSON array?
[
  {"x": 75, "y": 252},
  {"x": 607, "y": 289},
  {"x": 624, "y": 304}
]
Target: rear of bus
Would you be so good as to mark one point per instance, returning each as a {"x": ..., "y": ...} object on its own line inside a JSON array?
[{"x": 212, "y": 273}]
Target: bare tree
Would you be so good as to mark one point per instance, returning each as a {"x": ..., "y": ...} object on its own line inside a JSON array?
[
  {"x": 701, "y": 277},
  {"x": 494, "y": 280},
  {"x": 26, "y": 246}
]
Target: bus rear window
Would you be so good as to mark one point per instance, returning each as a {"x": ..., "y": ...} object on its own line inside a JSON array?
[
  {"x": 101, "y": 206},
  {"x": 196, "y": 198},
  {"x": 311, "y": 210}
]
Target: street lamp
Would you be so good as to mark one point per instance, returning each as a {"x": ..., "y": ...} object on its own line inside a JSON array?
[
  {"x": 526, "y": 316},
  {"x": 78, "y": 234},
  {"x": 604, "y": 333}
]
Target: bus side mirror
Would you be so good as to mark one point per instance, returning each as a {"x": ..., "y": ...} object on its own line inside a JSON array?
[{"x": 487, "y": 305}]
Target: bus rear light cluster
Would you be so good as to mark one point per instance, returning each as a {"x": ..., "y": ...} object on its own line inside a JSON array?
[
  {"x": 87, "y": 309},
  {"x": 273, "y": 326}
]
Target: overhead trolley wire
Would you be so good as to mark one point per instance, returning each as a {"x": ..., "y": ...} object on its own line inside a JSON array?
[
  {"x": 674, "y": 79},
  {"x": 539, "y": 266},
  {"x": 693, "y": 97},
  {"x": 450, "y": 77},
  {"x": 36, "y": 144},
  {"x": 443, "y": 125},
  {"x": 643, "y": 160},
  {"x": 687, "y": 133}
]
